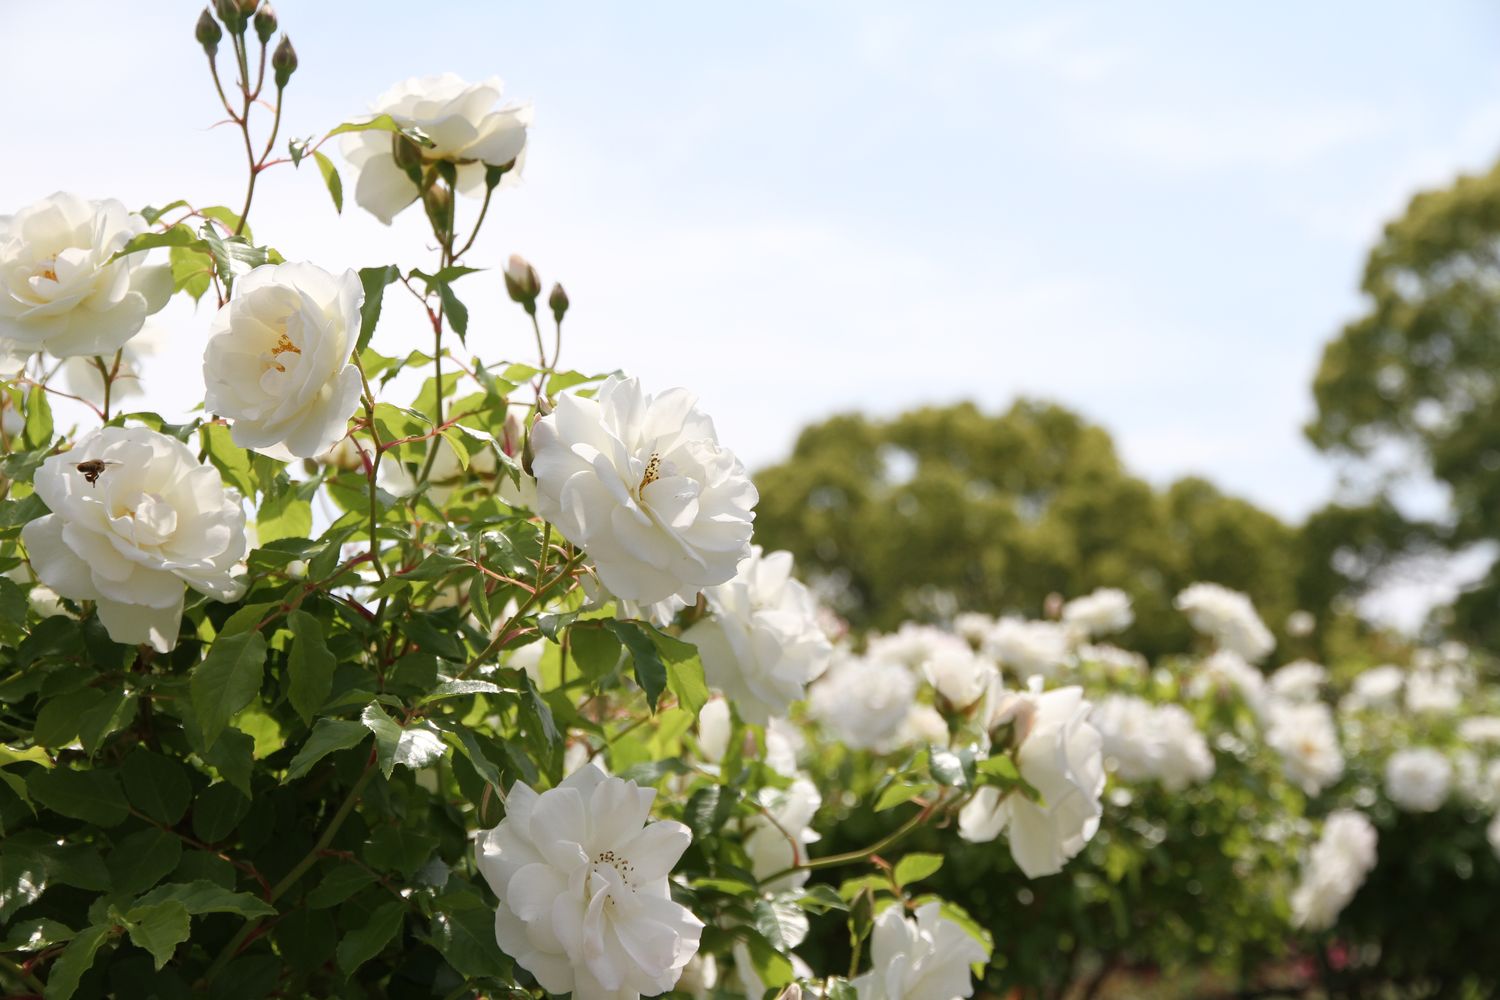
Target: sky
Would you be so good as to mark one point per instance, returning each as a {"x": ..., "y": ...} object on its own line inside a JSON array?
[{"x": 1154, "y": 214}]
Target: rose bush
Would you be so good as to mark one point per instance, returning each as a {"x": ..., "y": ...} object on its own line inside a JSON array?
[{"x": 493, "y": 692}]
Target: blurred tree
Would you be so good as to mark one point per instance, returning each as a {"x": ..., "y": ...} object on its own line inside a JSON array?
[
  {"x": 946, "y": 509},
  {"x": 1417, "y": 379}
]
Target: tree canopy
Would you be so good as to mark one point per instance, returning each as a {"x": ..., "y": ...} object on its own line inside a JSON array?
[
  {"x": 1417, "y": 377},
  {"x": 946, "y": 509}
]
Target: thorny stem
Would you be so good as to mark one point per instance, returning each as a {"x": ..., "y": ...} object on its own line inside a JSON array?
[
  {"x": 503, "y": 634},
  {"x": 19, "y": 971},
  {"x": 848, "y": 857}
]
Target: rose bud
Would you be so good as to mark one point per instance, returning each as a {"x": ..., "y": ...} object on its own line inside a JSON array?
[
  {"x": 208, "y": 33},
  {"x": 522, "y": 282},
  {"x": 558, "y": 300},
  {"x": 265, "y": 23},
  {"x": 284, "y": 62}
]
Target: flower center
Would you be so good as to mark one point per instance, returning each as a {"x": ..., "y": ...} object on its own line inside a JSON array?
[
  {"x": 652, "y": 474},
  {"x": 284, "y": 345},
  {"x": 149, "y": 518},
  {"x": 622, "y": 868}
]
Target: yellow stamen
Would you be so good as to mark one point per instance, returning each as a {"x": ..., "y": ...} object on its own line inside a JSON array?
[{"x": 653, "y": 472}]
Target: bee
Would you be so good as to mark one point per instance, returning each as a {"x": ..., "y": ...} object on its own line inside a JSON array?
[{"x": 93, "y": 469}]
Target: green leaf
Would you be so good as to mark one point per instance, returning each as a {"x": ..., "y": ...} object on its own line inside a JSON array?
[
  {"x": 93, "y": 796},
  {"x": 383, "y": 123},
  {"x": 178, "y": 236},
  {"x": 331, "y": 179},
  {"x": 159, "y": 928},
  {"x": 456, "y": 312},
  {"x": 75, "y": 960},
  {"x": 772, "y": 967},
  {"x": 309, "y": 665},
  {"x": 37, "y": 430},
  {"x": 708, "y": 809},
  {"x": 36, "y": 934},
  {"x": 463, "y": 929},
  {"x": 217, "y": 811},
  {"x": 112, "y": 713},
  {"x": 399, "y": 849},
  {"x": 363, "y": 944},
  {"x": 23, "y": 879},
  {"x": 232, "y": 461},
  {"x": 286, "y": 515},
  {"x": 684, "y": 670},
  {"x": 328, "y": 736},
  {"x": 203, "y": 896},
  {"x": 143, "y": 859},
  {"x": 820, "y": 898},
  {"x": 387, "y": 735},
  {"x": 233, "y": 757},
  {"x": 650, "y": 671},
  {"x": 339, "y": 884},
  {"x": 374, "y": 280},
  {"x": 915, "y": 867},
  {"x": 57, "y": 722},
  {"x": 781, "y": 921},
  {"x": 898, "y": 793},
  {"x": 227, "y": 680}
]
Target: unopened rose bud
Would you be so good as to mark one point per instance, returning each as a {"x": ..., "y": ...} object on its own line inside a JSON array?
[
  {"x": 208, "y": 33},
  {"x": 522, "y": 282},
  {"x": 229, "y": 13},
  {"x": 558, "y": 300},
  {"x": 438, "y": 200},
  {"x": 247, "y": 7},
  {"x": 284, "y": 62},
  {"x": 297, "y": 569},
  {"x": 265, "y": 23},
  {"x": 407, "y": 154}
]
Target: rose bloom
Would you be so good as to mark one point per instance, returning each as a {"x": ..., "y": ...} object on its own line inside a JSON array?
[
  {"x": 1308, "y": 741},
  {"x": 1229, "y": 617},
  {"x": 60, "y": 293},
  {"x": 1378, "y": 687},
  {"x": 1227, "y": 672},
  {"x": 1417, "y": 780},
  {"x": 155, "y": 521},
  {"x": 465, "y": 128},
  {"x": 864, "y": 701},
  {"x": 926, "y": 958},
  {"x": 763, "y": 644},
  {"x": 1335, "y": 869},
  {"x": 766, "y": 840},
  {"x": 959, "y": 675},
  {"x": 1105, "y": 610},
  {"x": 1300, "y": 680},
  {"x": 1030, "y": 648},
  {"x": 641, "y": 484},
  {"x": 277, "y": 363},
  {"x": 914, "y": 644},
  {"x": 582, "y": 879},
  {"x": 1060, "y": 755}
]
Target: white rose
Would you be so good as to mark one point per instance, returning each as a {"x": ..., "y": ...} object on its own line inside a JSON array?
[
  {"x": 1334, "y": 870},
  {"x": 914, "y": 644},
  {"x": 585, "y": 905},
  {"x": 465, "y": 128},
  {"x": 958, "y": 675},
  {"x": 82, "y": 377},
  {"x": 1061, "y": 756},
  {"x": 1439, "y": 692},
  {"x": 864, "y": 702},
  {"x": 763, "y": 644},
  {"x": 1030, "y": 648},
  {"x": 1480, "y": 729},
  {"x": 1229, "y": 617},
  {"x": 1105, "y": 610},
  {"x": 1300, "y": 680},
  {"x": 1225, "y": 672},
  {"x": 155, "y": 520},
  {"x": 1305, "y": 737},
  {"x": 58, "y": 291},
  {"x": 1378, "y": 687},
  {"x": 277, "y": 363},
  {"x": 1186, "y": 759},
  {"x": 1418, "y": 780},
  {"x": 1144, "y": 742},
  {"x": 641, "y": 484},
  {"x": 714, "y": 729},
  {"x": 776, "y": 843},
  {"x": 927, "y": 958}
]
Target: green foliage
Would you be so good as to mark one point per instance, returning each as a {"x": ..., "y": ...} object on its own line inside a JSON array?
[{"x": 1414, "y": 377}]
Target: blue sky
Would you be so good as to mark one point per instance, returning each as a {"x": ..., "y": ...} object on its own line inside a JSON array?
[{"x": 1156, "y": 215}]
